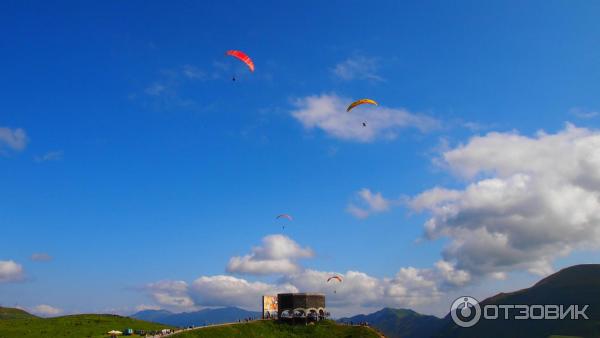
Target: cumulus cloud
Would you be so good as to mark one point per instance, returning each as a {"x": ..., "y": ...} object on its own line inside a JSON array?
[
  {"x": 357, "y": 288},
  {"x": 328, "y": 113},
  {"x": 13, "y": 139},
  {"x": 41, "y": 257},
  {"x": 357, "y": 68},
  {"x": 409, "y": 287},
  {"x": 46, "y": 310},
  {"x": 224, "y": 290},
  {"x": 371, "y": 203},
  {"x": 10, "y": 271},
  {"x": 277, "y": 255},
  {"x": 358, "y": 291},
  {"x": 49, "y": 156},
  {"x": 171, "y": 293},
  {"x": 527, "y": 201}
]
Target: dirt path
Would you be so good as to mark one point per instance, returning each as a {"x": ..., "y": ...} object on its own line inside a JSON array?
[
  {"x": 197, "y": 328},
  {"x": 380, "y": 334}
]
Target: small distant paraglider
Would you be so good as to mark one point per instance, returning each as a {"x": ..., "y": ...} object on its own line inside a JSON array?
[
  {"x": 284, "y": 216},
  {"x": 359, "y": 102},
  {"x": 335, "y": 278},
  {"x": 242, "y": 57}
]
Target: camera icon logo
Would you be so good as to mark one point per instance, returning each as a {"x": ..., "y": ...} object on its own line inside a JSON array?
[{"x": 465, "y": 311}]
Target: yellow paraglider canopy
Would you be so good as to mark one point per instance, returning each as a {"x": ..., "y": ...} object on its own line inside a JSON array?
[{"x": 359, "y": 102}]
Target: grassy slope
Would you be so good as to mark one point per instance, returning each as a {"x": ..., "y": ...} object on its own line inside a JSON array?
[
  {"x": 273, "y": 329},
  {"x": 12, "y": 313},
  {"x": 76, "y": 326}
]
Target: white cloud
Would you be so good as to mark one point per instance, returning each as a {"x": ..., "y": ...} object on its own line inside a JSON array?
[
  {"x": 10, "y": 271},
  {"x": 14, "y": 139},
  {"x": 357, "y": 68},
  {"x": 409, "y": 287},
  {"x": 328, "y": 113},
  {"x": 358, "y": 291},
  {"x": 49, "y": 156},
  {"x": 373, "y": 203},
  {"x": 144, "y": 307},
  {"x": 583, "y": 113},
  {"x": 527, "y": 201},
  {"x": 41, "y": 257},
  {"x": 171, "y": 293},
  {"x": 357, "y": 288},
  {"x": 224, "y": 290},
  {"x": 46, "y": 310},
  {"x": 277, "y": 255},
  {"x": 450, "y": 275}
]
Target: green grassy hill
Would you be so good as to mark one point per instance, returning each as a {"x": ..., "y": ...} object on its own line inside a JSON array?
[
  {"x": 12, "y": 313},
  {"x": 76, "y": 326},
  {"x": 273, "y": 329}
]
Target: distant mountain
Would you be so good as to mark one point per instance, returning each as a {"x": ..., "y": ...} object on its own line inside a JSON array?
[
  {"x": 152, "y": 315},
  {"x": 576, "y": 285},
  {"x": 197, "y": 318},
  {"x": 13, "y": 313},
  {"x": 400, "y": 323}
]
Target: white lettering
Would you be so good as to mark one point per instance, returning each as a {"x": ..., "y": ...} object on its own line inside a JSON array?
[
  {"x": 551, "y": 312},
  {"x": 533, "y": 309},
  {"x": 505, "y": 309},
  {"x": 486, "y": 314},
  {"x": 526, "y": 310}
]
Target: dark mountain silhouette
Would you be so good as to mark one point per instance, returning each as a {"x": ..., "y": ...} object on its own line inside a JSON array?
[
  {"x": 400, "y": 323},
  {"x": 197, "y": 318},
  {"x": 576, "y": 285}
]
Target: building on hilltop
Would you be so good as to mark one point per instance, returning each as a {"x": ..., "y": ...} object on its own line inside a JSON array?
[{"x": 305, "y": 306}]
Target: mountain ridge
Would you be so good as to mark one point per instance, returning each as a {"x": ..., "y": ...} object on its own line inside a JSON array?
[{"x": 196, "y": 318}]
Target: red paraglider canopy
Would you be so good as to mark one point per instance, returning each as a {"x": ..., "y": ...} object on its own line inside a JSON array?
[
  {"x": 339, "y": 279},
  {"x": 243, "y": 57}
]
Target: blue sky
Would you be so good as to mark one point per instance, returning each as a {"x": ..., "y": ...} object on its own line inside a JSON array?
[{"x": 130, "y": 157}]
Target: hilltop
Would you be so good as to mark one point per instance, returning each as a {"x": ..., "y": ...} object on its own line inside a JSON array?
[
  {"x": 13, "y": 313},
  {"x": 399, "y": 323},
  {"x": 274, "y": 329},
  {"x": 25, "y": 325}
]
